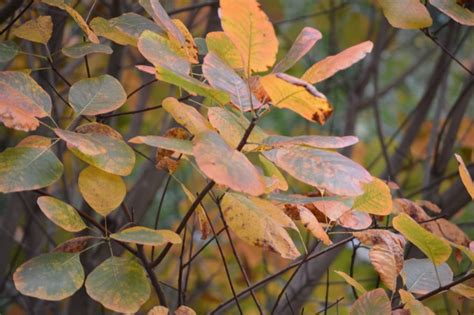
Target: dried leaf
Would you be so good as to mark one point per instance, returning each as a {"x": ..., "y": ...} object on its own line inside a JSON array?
[
  {"x": 465, "y": 176},
  {"x": 99, "y": 129},
  {"x": 190, "y": 49},
  {"x": 406, "y": 14},
  {"x": 38, "y": 30},
  {"x": 187, "y": 116},
  {"x": 311, "y": 223},
  {"x": 74, "y": 245},
  {"x": 372, "y": 302}
]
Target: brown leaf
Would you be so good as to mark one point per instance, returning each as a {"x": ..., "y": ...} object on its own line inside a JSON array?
[
  {"x": 74, "y": 245},
  {"x": 465, "y": 176},
  {"x": 99, "y": 129},
  {"x": 312, "y": 224},
  {"x": 167, "y": 159}
]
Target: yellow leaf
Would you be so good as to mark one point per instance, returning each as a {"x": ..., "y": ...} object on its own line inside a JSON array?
[
  {"x": 373, "y": 302},
  {"x": 406, "y": 14},
  {"x": 312, "y": 224},
  {"x": 146, "y": 236},
  {"x": 464, "y": 290},
  {"x": 104, "y": 192},
  {"x": 158, "y": 310},
  {"x": 190, "y": 49},
  {"x": 221, "y": 45},
  {"x": 465, "y": 176},
  {"x": 249, "y": 28},
  {"x": 376, "y": 198},
  {"x": 187, "y": 116},
  {"x": 38, "y": 30},
  {"x": 353, "y": 282},
  {"x": 414, "y": 306}
]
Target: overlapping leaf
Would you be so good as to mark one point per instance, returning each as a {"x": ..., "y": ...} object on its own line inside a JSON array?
[
  {"x": 222, "y": 46},
  {"x": 465, "y": 176},
  {"x": 146, "y": 236},
  {"x": 406, "y": 14},
  {"x": 187, "y": 116},
  {"x": 455, "y": 10},
  {"x": 38, "y": 30},
  {"x": 376, "y": 198},
  {"x": 83, "y": 49},
  {"x": 172, "y": 144},
  {"x": 414, "y": 306},
  {"x": 8, "y": 51},
  {"x": 353, "y": 282},
  {"x": 322, "y": 142},
  {"x": 372, "y": 302},
  {"x": 311, "y": 223}
]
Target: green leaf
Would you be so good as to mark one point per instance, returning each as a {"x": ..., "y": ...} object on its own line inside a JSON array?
[
  {"x": 52, "y": 277},
  {"x": 172, "y": 144},
  {"x": 353, "y": 282},
  {"x": 322, "y": 169},
  {"x": 434, "y": 247},
  {"x": 28, "y": 168},
  {"x": 225, "y": 165},
  {"x": 376, "y": 198},
  {"x": 22, "y": 101},
  {"x": 103, "y": 191},
  {"x": 83, "y": 49},
  {"x": 87, "y": 144},
  {"x": 104, "y": 28},
  {"x": 146, "y": 236},
  {"x": 61, "y": 213},
  {"x": 374, "y": 302},
  {"x": 406, "y": 14},
  {"x": 186, "y": 115},
  {"x": 38, "y": 30},
  {"x": 270, "y": 170},
  {"x": 99, "y": 95},
  {"x": 421, "y": 276},
  {"x": 119, "y": 284},
  {"x": 8, "y": 51}
]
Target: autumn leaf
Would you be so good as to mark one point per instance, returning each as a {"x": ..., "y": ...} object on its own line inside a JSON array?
[
  {"x": 223, "y": 77},
  {"x": 119, "y": 284},
  {"x": 219, "y": 44},
  {"x": 38, "y": 30},
  {"x": 51, "y": 277},
  {"x": 302, "y": 44},
  {"x": 463, "y": 290},
  {"x": 8, "y": 51},
  {"x": 189, "y": 47},
  {"x": 312, "y": 224},
  {"x": 465, "y": 176},
  {"x": 321, "y": 142},
  {"x": 270, "y": 170},
  {"x": 455, "y": 10},
  {"x": 249, "y": 28},
  {"x": 95, "y": 128},
  {"x": 22, "y": 101},
  {"x": 61, "y": 213},
  {"x": 435, "y": 248},
  {"x": 74, "y": 245},
  {"x": 146, "y": 236},
  {"x": 376, "y": 198},
  {"x": 172, "y": 144},
  {"x": 414, "y": 306},
  {"x": 82, "y": 142},
  {"x": 186, "y": 115},
  {"x": 406, "y": 14},
  {"x": 353, "y": 282},
  {"x": 200, "y": 213},
  {"x": 234, "y": 171},
  {"x": 83, "y": 49},
  {"x": 421, "y": 277},
  {"x": 260, "y": 223},
  {"x": 298, "y": 96},
  {"x": 372, "y": 302},
  {"x": 110, "y": 30},
  {"x": 104, "y": 192}
]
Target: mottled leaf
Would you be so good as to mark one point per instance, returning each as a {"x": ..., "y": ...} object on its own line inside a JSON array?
[
  {"x": 184, "y": 310},
  {"x": 83, "y": 49},
  {"x": 35, "y": 141},
  {"x": 270, "y": 170},
  {"x": 435, "y": 248},
  {"x": 322, "y": 142},
  {"x": 312, "y": 224},
  {"x": 38, "y": 30},
  {"x": 51, "y": 277},
  {"x": 104, "y": 192},
  {"x": 455, "y": 10},
  {"x": 95, "y": 128},
  {"x": 329, "y": 66},
  {"x": 189, "y": 47},
  {"x": 61, "y": 213},
  {"x": 119, "y": 284},
  {"x": 105, "y": 28},
  {"x": 146, "y": 236},
  {"x": 302, "y": 44},
  {"x": 22, "y": 101},
  {"x": 222, "y": 46},
  {"x": 158, "y": 310},
  {"x": 421, "y": 276},
  {"x": 249, "y": 28},
  {"x": 297, "y": 96},
  {"x": 234, "y": 171},
  {"x": 355, "y": 220},
  {"x": 159, "y": 15},
  {"x": 465, "y": 176},
  {"x": 406, "y": 14},
  {"x": 8, "y": 51},
  {"x": 74, "y": 245},
  {"x": 414, "y": 306},
  {"x": 353, "y": 282},
  {"x": 172, "y": 144},
  {"x": 98, "y": 95},
  {"x": 84, "y": 143},
  {"x": 376, "y": 198},
  {"x": 374, "y": 302},
  {"x": 260, "y": 223},
  {"x": 186, "y": 115}
]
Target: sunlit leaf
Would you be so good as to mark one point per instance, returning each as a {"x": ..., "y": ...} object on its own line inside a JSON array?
[
  {"x": 234, "y": 171},
  {"x": 186, "y": 115},
  {"x": 329, "y": 66},
  {"x": 421, "y": 276},
  {"x": 61, "y": 213},
  {"x": 406, "y": 14},
  {"x": 455, "y": 10},
  {"x": 104, "y": 192},
  {"x": 465, "y": 176},
  {"x": 376, "y": 198},
  {"x": 302, "y": 44},
  {"x": 353, "y": 282},
  {"x": 223, "y": 77},
  {"x": 190, "y": 49},
  {"x": 119, "y": 284},
  {"x": 146, "y": 236},
  {"x": 8, "y": 51},
  {"x": 28, "y": 168},
  {"x": 324, "y": 170},
  {"x": 435, "y": 248},
  {"x": 297, "y": 96},
  {"x": 414, "y": 306},
  {"x": 22, "y": 101},
  {"x": 249, "y": 28},
  {"x": 312, "y": 224},
  {"x": 38, "y": 30},
  {"x": 232, "y": 126},
  {"x": 172, "y": 144},
  {"x": 260, "y": 223},
  {"x": 51, "y": 277},
  {"x": 372, "y": 302},
  {"x": 99, "y": 95},
  {"x": 222, "y": 46},
  {"x": 322, "y": 142},
  {"x": 83, "y": 49},
  {"x": 162, "y": 52}
]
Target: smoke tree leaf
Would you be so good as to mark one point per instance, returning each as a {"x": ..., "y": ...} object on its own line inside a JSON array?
[
  {"x": 376, "y": 198},
  {"x": 372, "y": 302},
  {"x": 234, "y": 171},
  {"x": 353, "y": 282},
  {"x": 463, "y": 290},
  {"x": 435, "y": 248},
  {"x": 311, "y": 223},
  {"x": 61, "y": 213},
  {"x": 8, "y": 51},
  {"x": 105, "y": 28},
  {"x": 38, "y": 30},
  {"x": 249, "y": 28},
  {"x": 414, "y": 306},
  {"x": 222, "y": 46},
  {"x": 172, "y": 144},
  {"x": 98, "y": 95},
  {"x": 22, "y": 101},
  {"x": 83, "y": 49},
  {"x": 186, "y": 115},
  {"x": 302, "y": 44},
  {"x": 259, "y": 223},
  {"x": 421, "y": 276},
  {"x": 270, "y": 170},
  {"x": 321, "y": 142},
  {"x": 406, "y": 14},
  {"x": 146, "y": 236},
  {"x": 455, "y": 10},
  {"x": 51, "y": 277},
  {"x": 84, "y": 143},
  {"x": 119, "y": 284},
  {"x": 329, "y": 66},
  {"x": 103, "y": 191},
  {"x": 465, "y": 176}
]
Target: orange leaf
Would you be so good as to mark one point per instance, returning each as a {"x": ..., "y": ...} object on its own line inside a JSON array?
[
  {"x": 406, "y": 14},
  {"x": 454, "y": 10},
  {"x": 312, "y": 224},
  {"x": 465, "y": 176}
]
